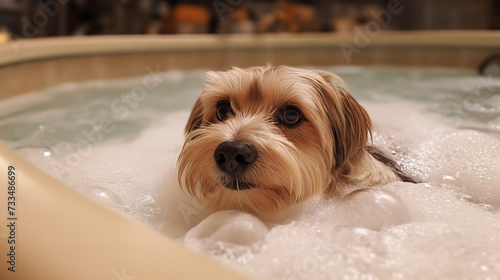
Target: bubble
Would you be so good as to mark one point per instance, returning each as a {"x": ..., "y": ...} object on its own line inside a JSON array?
[
  {"x": 126, "y": 209},
  {"x": 228, "y": 235},
  {"x": 371, "y": 208},
  {"x": 494, "y": 125},
  {"x": 37, "y": 152},
  {"x": 103, "y": 196},
  {"x": 230, "y": 226}
]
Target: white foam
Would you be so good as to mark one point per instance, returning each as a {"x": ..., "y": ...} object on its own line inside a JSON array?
[
  {"x": 143, "y": 174},
  {"x": 447, "y": 227}
]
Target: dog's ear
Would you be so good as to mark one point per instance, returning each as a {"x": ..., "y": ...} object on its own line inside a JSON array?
[
  {"x": 349, "y": 121},
  {"x": 195, "y": 118}
]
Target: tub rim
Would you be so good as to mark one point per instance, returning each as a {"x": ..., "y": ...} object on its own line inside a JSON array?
[{"x": 28, "y": 50}]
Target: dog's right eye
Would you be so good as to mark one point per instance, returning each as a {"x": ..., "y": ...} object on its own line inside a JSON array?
[
  {"x": 291, "y": 116},
  {"x": 223, "y": 110}
]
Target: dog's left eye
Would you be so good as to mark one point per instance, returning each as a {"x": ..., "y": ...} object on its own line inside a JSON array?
[
  {"x": 223, "y": 110},
  {"x": 291, "y": 115}
]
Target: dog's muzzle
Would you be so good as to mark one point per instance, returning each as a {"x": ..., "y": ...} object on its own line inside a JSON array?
[{"x": 234, "y": 157}]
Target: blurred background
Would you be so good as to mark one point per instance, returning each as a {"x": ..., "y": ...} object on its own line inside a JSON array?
[{"x": 40, "y": 18}]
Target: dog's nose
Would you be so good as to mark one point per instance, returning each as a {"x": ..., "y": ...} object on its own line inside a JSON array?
[{"x": 233, "y": 157}]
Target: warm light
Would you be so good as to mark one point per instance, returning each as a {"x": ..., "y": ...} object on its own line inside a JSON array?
[{"x": 4, "y": 36}]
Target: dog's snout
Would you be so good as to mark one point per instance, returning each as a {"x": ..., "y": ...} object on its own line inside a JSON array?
[{"x": 233, "y": 157}]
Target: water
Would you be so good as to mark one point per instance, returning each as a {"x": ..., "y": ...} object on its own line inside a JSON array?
[{"x": 117, "y": 142}]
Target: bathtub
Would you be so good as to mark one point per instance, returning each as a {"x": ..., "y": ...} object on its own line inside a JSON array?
[{"x": 61, "y": 234}]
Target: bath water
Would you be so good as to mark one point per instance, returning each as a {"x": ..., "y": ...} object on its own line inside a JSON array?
[{"x": 117, "y": 142}]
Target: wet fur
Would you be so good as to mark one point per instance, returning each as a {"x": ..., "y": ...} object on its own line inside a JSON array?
[{"x": 326, "y": 154}]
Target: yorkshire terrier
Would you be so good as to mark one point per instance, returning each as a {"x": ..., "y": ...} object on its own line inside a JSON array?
[{"x": 264, "y": 139}]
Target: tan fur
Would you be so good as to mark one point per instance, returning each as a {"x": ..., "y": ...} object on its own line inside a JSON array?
[{"x": 324, "y": 155}]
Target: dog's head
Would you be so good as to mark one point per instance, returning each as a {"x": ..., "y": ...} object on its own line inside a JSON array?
[{"x": 264, "y": 138}]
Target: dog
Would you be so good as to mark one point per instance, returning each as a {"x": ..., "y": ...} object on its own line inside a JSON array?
[{"x": 264, "y": 139}]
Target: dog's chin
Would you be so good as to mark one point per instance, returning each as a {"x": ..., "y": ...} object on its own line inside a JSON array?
[{"x": 237, "y": 185}]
